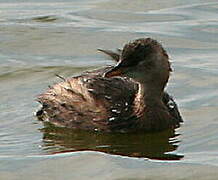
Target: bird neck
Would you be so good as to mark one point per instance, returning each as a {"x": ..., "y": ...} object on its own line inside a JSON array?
[{"x": 150, "y": 92}]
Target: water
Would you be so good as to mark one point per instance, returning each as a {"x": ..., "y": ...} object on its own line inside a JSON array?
[{"x": 44, "y": 38}]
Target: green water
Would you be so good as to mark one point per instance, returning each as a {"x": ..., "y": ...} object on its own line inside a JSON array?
[{"x": 41, "y": 39}]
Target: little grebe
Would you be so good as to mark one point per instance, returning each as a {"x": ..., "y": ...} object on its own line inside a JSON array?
[{"x": 126, "y": 97}]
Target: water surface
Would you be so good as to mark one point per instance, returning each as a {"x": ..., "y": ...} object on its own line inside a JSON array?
[{"x": 44, "y": 38}]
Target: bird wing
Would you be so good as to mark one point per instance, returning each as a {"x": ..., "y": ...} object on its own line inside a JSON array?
[{"x": 89, "y": 102}]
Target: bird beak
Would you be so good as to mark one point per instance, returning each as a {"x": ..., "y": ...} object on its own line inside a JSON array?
[{"x": 116, "y": 70}]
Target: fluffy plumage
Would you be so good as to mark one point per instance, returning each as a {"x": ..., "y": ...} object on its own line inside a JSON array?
[{"x": 116, "y": 102}]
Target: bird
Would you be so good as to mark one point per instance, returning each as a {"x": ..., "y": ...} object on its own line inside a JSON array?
[{"x": 129, "y": 96}]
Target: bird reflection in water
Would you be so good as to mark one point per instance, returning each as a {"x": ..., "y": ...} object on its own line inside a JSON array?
[{"x": 159, "y": 145}]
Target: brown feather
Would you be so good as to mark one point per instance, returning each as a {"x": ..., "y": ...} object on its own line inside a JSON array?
[
  {"x": 93, "y": 101},
  {"x": 114, "y": 55}
]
